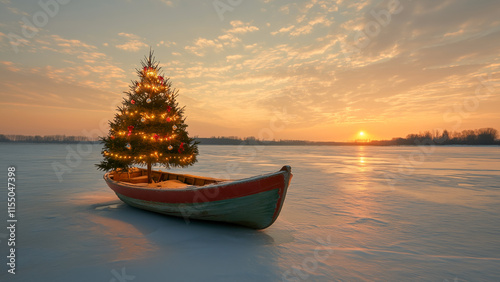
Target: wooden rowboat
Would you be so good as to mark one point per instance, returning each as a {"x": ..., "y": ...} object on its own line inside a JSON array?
[{"x": 254, "y": 202}]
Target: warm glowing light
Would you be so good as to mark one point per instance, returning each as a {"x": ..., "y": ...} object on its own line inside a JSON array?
[{"x": 362, "y": 136}]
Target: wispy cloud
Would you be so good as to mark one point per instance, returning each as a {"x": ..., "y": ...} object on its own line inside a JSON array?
[
  {"x": 227, "y": 39},
  {"x": 240, "y": 27},
  {"x": 168, "y": 3},
  {"x": 133, "y": 44},
  {"x": 166, "y": 43},
  {"x": 78, "y": 62},
  {"x": 10, "y": 66},
  {"x": 201, "y": 44},
  {"x": 304, "y": 27},
  {"x": 16, "y": 11}
]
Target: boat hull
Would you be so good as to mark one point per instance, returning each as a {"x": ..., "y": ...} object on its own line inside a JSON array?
[{"x": 253, "y": 202}]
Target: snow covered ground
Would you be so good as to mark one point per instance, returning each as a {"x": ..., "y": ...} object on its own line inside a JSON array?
[{"x": 351, "y": 214}]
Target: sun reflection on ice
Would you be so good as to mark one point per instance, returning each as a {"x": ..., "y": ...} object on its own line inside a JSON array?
[{"x": 362, "y": 161}]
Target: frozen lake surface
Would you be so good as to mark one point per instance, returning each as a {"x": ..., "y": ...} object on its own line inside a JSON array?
[{"x": 351, "y": 214}]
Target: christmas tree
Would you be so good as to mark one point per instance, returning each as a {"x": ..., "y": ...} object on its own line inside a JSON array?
[{"x": 149, "y": 127}]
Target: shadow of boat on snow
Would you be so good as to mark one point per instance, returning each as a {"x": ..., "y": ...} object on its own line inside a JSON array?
[{"x": 163, "y": 229}]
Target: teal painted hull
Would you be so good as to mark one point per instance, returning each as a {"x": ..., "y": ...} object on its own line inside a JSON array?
[{"x": 254, "y": 211}]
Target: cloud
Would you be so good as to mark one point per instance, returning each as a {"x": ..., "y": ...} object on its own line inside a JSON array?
[
  {"x": 168, "y": 3},
  {"x": 240, "y": 27},
  {"x": 16, "y": 11},
  {"x": 358, "y": 6},
  {"x": 133, "y": 44},
  {"x": 166, "y": 43},
  {"x": 284, "y": 30},
  {"x": 74, "y": 61},
  {"x": 423, "y": 58},
  {"x": 10, "y": 66},
  {"x": 202, "y": 44},
  {"x": 85, "y": 52},
  {"x": 285, "y": 9},
  {"x": 306, "y": 21},
  {"x": 233, "y": 57},
  {"x": 428, "y": 23},
  {"x": 43, "y": 88},
  {"x": 71, "y": 44},
  {"x": 227, "y": 39}
]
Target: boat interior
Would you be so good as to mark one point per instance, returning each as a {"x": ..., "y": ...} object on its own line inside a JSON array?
[{"x": 161, "y": 178}]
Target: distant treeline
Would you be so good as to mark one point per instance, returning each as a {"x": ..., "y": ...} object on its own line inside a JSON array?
[
  {"x": 46, "y": 139},
  {"x": 483, "y": 136},
  {"x": 231, "y": 140},
  {"x": 205, "y": 141}
]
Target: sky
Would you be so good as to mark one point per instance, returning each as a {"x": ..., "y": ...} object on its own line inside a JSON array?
[{"x": 273, "y": 69}]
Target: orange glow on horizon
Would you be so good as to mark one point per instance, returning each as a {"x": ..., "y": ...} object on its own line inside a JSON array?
[{"x": 362, "y": 136}]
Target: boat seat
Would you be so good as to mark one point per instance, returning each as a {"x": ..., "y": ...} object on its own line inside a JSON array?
[
  {"x": 169, "y": 184},
  {"x": 123, "y": 176},
  {"x": 138, "y": 179}
]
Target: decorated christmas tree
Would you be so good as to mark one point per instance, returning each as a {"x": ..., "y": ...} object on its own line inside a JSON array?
[{"x": 149, "y": 127}]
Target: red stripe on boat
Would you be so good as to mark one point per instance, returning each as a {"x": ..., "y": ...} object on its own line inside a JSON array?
[{"x": 220, "y": 192}]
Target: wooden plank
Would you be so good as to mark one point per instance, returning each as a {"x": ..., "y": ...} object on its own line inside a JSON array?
[
  {"x": 125, "y": 176},
  {"x": 163, "y": 177},
  {"x": 139, "y": 179}
]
